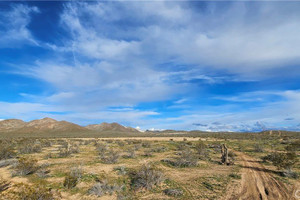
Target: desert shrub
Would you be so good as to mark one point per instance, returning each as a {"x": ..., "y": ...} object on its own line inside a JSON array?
[
  {"x": 201, "y": 150},
  {"x": 289, "y": 173},
  {"x": 74, "y": 148},
  {"x": 7, "y": 162},
  {"x": 293, "y": 146},
  {"x": 182, "y": 146},
  {"x": 73, "y": 177},
  {"x": 87, "y": 142},
  {"x": 110, "y": 157},
  {"x": 282, "y": 160},
  {"x": 146, "y": 144},
  {"x": 146, "y": 177},
  {"x": 4, "y": 185},
  {"x": 28, "y": 146},
  {"x": 32, "y": 192},
  {"x": 186, "y": 159},
  {"x": 109, "y": 141},
  {"x": 102, "y": 188},
  {"x": 159, "y": 149},
  {"x": 120, "y": 143},
  {"x": 137, "y": 147},
  {"x": 68, "y": 149},
  {"x": 231, "y": 157},
  {"x": 63, "y": 152},
  {"x": 122, "y": 170},
  {"x": 235, "y": 175},
  {"x": 148, "y": 153},
  {"x": 258, "y": 147},
  {"x": 241, "y": 147},
  {"x": 130, "y": 153},
  {"x": 6, "y": 151},
  {"x": 173, "y": 192},
  {"x": 43, "y": 172},
  {"x": 101, "y": 147},
  {"x": 46, "y": 143},
  {"x": 25, "y": 166},
  {"x": 49, "y": 155},
  {"x": 208, "y": 185}
]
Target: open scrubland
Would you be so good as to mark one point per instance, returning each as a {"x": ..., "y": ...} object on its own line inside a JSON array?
[{"x": 260, "y": 166}]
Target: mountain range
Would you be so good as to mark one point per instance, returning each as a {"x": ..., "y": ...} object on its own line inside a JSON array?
[{"x": 52, "y": 125}]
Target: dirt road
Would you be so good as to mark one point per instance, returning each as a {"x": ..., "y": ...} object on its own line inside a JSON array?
[{"x": 258, "y": 183}]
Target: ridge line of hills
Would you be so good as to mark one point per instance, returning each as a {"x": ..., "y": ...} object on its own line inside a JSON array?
[{"x": 52, "y": 125}]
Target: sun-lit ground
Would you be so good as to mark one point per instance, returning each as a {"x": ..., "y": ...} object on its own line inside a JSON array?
[{"x": 188, "y": 166}]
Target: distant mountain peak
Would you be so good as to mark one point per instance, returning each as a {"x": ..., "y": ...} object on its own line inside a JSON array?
[{"x": 104, "y": 126}]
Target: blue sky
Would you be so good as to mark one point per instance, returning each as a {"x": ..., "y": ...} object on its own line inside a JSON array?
[{"x": 214, "y": 66}]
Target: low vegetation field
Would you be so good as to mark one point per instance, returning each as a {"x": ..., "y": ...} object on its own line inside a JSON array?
[{"x": 148, "y": 168}]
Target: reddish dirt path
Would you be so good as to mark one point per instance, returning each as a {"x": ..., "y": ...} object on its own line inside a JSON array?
[{"x": 258, "y": 183}]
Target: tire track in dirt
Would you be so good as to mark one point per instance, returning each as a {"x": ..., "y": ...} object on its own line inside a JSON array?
[{"x": 258, "y": 183}]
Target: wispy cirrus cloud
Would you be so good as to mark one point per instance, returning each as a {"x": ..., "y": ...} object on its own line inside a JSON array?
[{"x": 13, "y": 26}]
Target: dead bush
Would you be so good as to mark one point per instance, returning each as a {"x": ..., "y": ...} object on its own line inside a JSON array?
[
  {"x": 110, "y": 157},
  {"x": 103, "y": 188},
  {"x": 25, "y": 166},
  {"x": 73, "y": 177},
  {"x": 146, "y": 177}
]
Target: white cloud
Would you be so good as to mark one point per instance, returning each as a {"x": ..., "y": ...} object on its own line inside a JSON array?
[
  {"x": 128, "y": 53},
  {"x": 14, "y": 22}
]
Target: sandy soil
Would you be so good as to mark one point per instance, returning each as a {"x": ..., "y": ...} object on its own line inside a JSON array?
[{"x": 258, "y": 183}]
